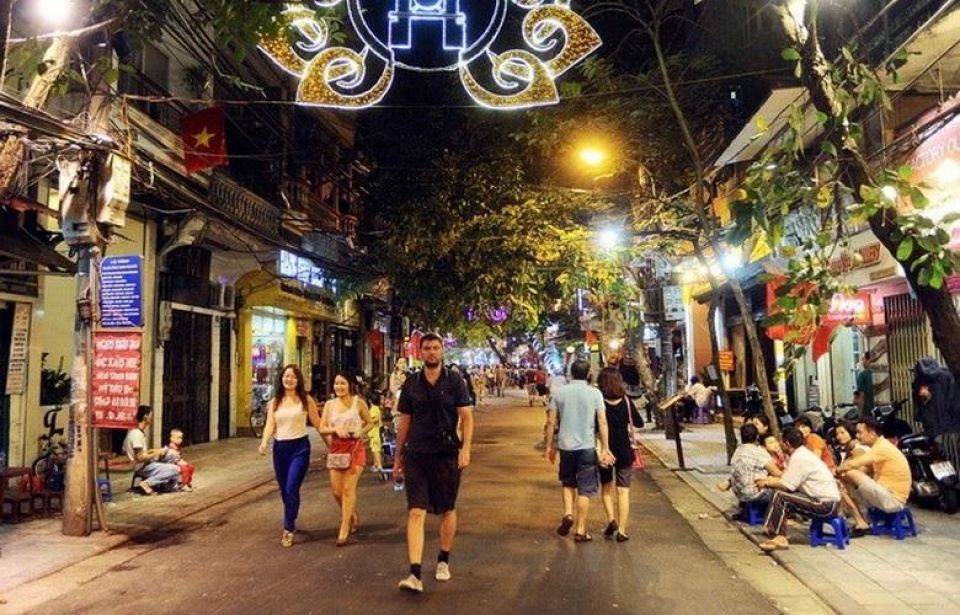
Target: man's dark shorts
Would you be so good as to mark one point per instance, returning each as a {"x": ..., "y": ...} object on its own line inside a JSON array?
[
  {"x": 578, "y": 469},
  {"x": 432, "y": 481}
]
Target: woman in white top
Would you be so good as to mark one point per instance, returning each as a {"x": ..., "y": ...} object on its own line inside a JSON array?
[
  {"x": 287, "y": 417},
  {"x": 345, "y": 419}
]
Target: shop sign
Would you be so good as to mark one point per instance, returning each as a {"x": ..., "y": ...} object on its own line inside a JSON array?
[
  {"x": 121, "y": 294},
  {"x": 19, "y": 343},
  {"x": 849, "y": 309},
  {"x": 725, "y": 359},
  {"x": 869, "y": 255},
  {"x": 115, "y": 382}
]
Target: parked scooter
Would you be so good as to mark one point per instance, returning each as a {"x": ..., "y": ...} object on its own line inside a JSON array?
[
  {"x": 894, "y": 427},
  {"x": 935, "y": 480}
]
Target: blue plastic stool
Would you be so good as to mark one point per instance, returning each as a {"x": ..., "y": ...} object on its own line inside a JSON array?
[
  {"x": 756, "y": 512},
  {"x": 106, "y": 490},
  {"x": 839, "y": 537},
  {"x": 899, "y": 523}
]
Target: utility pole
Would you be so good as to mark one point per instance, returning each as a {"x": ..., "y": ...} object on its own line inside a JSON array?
[{"x": 78, "y": 196}]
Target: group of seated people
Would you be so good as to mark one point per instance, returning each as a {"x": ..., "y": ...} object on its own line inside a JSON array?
[{"x": 799, "y": 476}]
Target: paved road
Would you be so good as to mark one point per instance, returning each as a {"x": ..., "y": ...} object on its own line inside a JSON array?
[{"x": 227, "y": 559}]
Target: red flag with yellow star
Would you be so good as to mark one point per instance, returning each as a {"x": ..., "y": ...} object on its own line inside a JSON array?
[{"x": 204, "y": 141}]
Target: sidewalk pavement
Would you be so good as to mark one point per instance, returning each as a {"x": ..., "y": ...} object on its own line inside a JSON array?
[
  {"x": 226, "y": 469},
  {"x": 873, "y": 575}
]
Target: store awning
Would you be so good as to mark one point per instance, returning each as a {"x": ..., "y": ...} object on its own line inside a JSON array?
[
  {"x": 775, "y": 112},
  {"x": 17, "y": 244}
]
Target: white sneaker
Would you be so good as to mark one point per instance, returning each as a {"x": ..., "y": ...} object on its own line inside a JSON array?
[
  {"x": 443, "y": 571},
  {"x": 411, "y": 584}
]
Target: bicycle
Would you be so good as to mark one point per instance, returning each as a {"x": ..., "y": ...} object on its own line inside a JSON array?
[
  {"x": 50, "y": 465},
  {"x": 258, "y": 413}
]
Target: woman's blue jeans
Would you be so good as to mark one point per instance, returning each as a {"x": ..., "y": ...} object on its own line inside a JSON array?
[{"x": 291, "y": 458}]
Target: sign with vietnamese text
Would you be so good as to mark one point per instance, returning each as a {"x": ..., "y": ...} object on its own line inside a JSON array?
[
  {"x": 121, "y": 294},
  {"x": 725, "y": 359},
  {"x": 115, "y": 381},
  {"x": 19, "y": 343}
]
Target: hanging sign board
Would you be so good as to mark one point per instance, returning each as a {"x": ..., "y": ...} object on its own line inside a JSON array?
[
  {"x": 725, "y": 359},
  {"x": 116, "y": 378},
  {"x": 19, "y": 343}
]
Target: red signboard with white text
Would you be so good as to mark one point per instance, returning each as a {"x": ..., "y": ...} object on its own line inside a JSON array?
[
  {"x": 115, "y": 381},
  {"x": 849, "y": 310}
]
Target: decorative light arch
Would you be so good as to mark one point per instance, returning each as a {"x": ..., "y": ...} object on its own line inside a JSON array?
[{"x": 431, "y": 35}]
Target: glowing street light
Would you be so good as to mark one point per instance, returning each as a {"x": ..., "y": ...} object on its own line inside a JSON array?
[{"x": 592, "y": 156}]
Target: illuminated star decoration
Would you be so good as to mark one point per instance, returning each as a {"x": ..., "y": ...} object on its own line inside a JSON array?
[{"x": 431, "y": 35}]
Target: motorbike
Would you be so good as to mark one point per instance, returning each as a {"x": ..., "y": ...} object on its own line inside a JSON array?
[
  {"x": 894, "y": 427},
  {"x": 935, "y": 482}
]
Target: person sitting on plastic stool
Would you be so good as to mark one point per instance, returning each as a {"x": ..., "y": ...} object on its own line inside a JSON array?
[
  {"x": 156, "y": 475},
  {"x": 889, "y": 487}
]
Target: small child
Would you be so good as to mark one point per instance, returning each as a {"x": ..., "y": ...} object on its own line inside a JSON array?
[
  {"x": 172, "y": 454},
  {"x": 376, "y": 442}
]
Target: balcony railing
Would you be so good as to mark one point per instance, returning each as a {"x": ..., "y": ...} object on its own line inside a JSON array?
[
  {"x": 303, "y": 199},
  {"x": 893, "y": 28},
  {"x": 245, "y": 207}
]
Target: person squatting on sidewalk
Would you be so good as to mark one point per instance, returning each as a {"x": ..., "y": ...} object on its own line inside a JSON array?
[
  {"x": 156, "y": 475},
  {"x": 807, "y": 487},
  {"x": 430, "y": 456},
  {"x": 287, "y": 416},
  {"x": 577, "y": 412}
]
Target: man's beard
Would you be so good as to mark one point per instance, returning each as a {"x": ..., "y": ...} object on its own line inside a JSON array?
[{"x": 432, "y": 365}]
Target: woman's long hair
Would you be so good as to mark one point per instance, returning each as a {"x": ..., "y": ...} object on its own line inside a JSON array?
[
  {"x": 610, "y": 383},
  {"x": 301, "y": 390}
]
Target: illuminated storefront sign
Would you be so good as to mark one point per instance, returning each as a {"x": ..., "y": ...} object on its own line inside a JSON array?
[
  {"x": 431, "y": 35},
  {"x": 289, "y": 265},
  {"x": 849, "y": 309}
]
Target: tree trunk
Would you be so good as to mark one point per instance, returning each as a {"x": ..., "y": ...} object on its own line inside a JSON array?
[
  {"x": 730, "y": 437},
  {"x": 759, "y": 367}
]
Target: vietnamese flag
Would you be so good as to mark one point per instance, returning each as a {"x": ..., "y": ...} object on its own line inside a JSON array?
[{"x": 204, "y": 140}]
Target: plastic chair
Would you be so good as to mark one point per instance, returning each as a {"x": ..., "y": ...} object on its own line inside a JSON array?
[
  {"x": 899, "y": 523},
  {"x": 106, "y": 489},
  {"x": 839, "y": 537},
  {"x": 756, "y": 512}
]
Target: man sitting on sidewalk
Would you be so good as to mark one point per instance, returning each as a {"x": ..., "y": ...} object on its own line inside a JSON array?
[
  {"x": 807, "y": 487},
  {"x": 156, "y": 475},
  {"x": 749, "y": 462},
  {"x": 890, "y": 486}
]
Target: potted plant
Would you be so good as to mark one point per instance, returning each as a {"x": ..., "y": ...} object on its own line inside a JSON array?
[{"x": 54, "y": 384}]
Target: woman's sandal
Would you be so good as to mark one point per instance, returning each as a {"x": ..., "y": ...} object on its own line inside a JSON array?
[
  {"x": 622, "y": 537},
  {"x": 582, "y": 538}
]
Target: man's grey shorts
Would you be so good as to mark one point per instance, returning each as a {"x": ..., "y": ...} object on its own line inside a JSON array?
[
  {"x": 875, "y": 495},
  {"x": 579, "y": 469}
]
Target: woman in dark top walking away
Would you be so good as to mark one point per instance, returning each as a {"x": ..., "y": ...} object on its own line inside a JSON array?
[{"x": 620, "y": 413}]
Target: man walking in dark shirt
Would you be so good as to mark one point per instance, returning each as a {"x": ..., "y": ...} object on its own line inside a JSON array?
[{"x": 431, "y": 455}]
